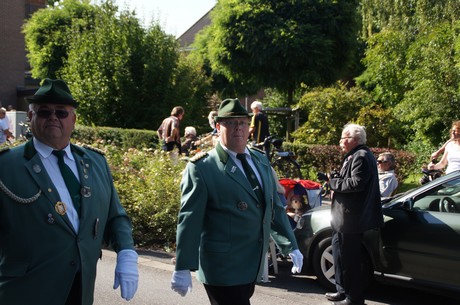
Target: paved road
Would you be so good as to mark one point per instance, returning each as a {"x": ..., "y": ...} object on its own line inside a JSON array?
[{"x": 154, "y": 288}]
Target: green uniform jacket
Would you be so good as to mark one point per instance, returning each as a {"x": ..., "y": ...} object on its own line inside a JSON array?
[
  {"x": 39, "y": 250},
  {"x": 223, "y": 231}
]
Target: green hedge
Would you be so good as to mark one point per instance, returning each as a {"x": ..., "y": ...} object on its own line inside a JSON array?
[
  {"x": 125, "y": 138},
  {"x": 325, "y": 158}
]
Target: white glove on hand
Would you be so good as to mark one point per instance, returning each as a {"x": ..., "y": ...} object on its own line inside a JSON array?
[
  {"x": 126, "y": 273},
  {"x": 297, "y": 261},
  {"x": 181, "y": 282}
]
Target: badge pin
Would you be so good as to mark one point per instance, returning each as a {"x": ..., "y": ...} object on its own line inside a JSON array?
[
  {"x": 85, "y": 191},
  {"x": 37, "y": 168},
  {"x": 60, "y": 208},
  {"x": 242, "y": 206}
]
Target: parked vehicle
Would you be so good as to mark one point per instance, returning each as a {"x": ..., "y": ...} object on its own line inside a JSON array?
[{"x": 419, "y": 244}]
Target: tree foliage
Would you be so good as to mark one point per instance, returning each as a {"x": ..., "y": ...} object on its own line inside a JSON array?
[
  {"x": 280, "y": 44},
  {"x": 124, "y": 75},
  {"x": 47, "y": 37},
  {"x": 412, "y": 62},
  {"x": 328, "y": 110}
]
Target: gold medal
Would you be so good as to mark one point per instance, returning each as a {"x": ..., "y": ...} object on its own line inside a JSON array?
[{"x": 60, "y": 208}]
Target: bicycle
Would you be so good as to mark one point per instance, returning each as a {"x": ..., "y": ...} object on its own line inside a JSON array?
[{"x": 283, "y": 162}]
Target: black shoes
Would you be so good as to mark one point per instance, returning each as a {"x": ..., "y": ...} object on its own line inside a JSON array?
[{"x": 335, "y": 296}]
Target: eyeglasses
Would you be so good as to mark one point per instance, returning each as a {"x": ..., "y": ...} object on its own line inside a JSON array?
[
  {"x": 45, "y": 113},
  {"x": 382, "y": 161},
  {"x": 343, "y": 138},
  {"x": 233, "y": 124}
]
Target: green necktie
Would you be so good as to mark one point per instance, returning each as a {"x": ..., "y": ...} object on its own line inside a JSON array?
[
  {"x": 252, "y": 178},
  {"x": 73, "y": 186}
]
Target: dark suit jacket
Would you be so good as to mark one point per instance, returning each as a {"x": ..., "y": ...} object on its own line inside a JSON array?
[
  {"x": 356, "y": 205},
  {"x": 223, "y": 231},
  {"x": 40, "y": 252}
]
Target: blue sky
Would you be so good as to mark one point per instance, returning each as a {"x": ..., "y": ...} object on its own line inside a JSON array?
[{"x": 175, "y": 16}]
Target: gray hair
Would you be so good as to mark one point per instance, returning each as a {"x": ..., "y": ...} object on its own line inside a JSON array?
[
  {"x": 356, "y": 131},
  {"x": 190, "y": 130},
  {"x": 256, "y": 104},
  {"x": 389, "y": 157}
]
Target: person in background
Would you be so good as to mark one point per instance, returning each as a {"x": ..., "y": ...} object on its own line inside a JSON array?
[
  {"x": 355, "y": 208},
  {"x": 259, "y": 128},
  {"x": 387, "y": 179},
  {"x": 190, "y": 140},
  {"x": 451, "y": 156},
  {"x": 229, "y": 208},
  {"x": 5, "y": 133},
  {"x": 169, "y": 132},
  {"x": 58, "y": 206}
]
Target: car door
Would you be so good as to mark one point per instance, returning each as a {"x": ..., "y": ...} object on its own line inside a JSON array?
[{"x": 423, "y": 243}]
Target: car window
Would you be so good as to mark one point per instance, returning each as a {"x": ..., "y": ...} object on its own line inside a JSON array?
[{"x": 442, "y": 198}]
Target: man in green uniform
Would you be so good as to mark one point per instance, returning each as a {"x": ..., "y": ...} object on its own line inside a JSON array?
[
  {"x": 58, "y": 206},
  {"x": 229, "y": 209}
]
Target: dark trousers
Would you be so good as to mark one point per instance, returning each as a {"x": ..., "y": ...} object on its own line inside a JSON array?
[
  {"x": 170, "y": 146},
  {"x": 74, "y": 297},
  {"x": 230, "y": 295},
  {"x": 346, "y": 250}
]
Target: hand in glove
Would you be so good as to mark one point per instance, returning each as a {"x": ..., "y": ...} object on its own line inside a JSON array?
[
  {"x": 126, "y": 273},
  {"x": 297, "y": 261},
  {"x": 322, "y": 177},
  {"x": 181, "y": 282}
]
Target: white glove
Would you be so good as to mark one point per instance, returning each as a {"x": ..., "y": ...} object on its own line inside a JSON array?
[
  {"x": 181, "y": 282},
  {"x": 297, "y": 261},
  {"x": 126, "y": 273}
]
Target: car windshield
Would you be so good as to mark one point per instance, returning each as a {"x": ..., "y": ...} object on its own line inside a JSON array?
[{"x": 430, "y": 199}]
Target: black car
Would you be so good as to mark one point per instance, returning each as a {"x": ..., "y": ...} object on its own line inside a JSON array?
[{"x": 419, "y": 244}]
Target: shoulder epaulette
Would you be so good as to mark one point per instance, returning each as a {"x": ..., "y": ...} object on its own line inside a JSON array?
[
  {"x": 257, "y": 149},
  {"x": 4, "y": 149},
  {"x": 99, "y": 151},
  {"x": 198, "y": 156}
]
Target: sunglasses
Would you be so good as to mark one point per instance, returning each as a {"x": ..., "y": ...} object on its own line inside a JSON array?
[
  {"x": 233, "y": 124},
  {"x": 381, "y": 161},
  {"x": 46, "y": 113}
]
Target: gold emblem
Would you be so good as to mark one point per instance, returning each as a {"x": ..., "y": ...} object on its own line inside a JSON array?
[{"x": 60, "y": 208}]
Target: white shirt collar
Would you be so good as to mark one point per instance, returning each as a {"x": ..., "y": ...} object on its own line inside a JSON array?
[{"x": 45, "y": 151}]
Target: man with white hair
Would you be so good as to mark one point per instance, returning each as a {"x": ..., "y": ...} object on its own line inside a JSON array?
[
  {"x": 355, "y": 208},
  {"x": 259, "y": 128}
]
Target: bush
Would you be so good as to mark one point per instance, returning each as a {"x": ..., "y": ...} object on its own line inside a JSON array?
[
  {"x": 124, "y": 138},
  {"x": 325, "y": 158},
  {"x": 148, "y": 183}
]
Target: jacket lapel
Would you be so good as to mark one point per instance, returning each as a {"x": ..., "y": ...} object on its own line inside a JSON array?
[
  {"x": 84, "y": 167},
  {"x": 233, "y": 171}
]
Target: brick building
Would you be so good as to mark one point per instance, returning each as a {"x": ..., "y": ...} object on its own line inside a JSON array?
[{"x": 14, "y": 82}]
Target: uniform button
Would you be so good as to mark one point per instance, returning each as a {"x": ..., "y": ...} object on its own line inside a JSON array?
[{"x": 72, "y": 263}]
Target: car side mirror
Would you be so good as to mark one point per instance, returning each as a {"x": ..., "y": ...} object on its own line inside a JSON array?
[{"x": 408, "y": 204}]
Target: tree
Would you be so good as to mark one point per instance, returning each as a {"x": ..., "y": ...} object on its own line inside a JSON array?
[
  {"x": 281, "y": 44},
  {"x": 412, "y": 63},
  {"x": 47, "y": 37},
  {"x": 122, "y": 74}
]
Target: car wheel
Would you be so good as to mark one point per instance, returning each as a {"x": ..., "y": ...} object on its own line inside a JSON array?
[{"x": 323, "y": 264}]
